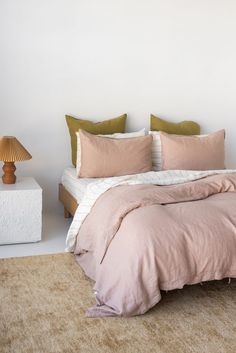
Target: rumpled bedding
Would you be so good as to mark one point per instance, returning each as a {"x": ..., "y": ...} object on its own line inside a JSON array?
[{"x": 140, "y": 239}]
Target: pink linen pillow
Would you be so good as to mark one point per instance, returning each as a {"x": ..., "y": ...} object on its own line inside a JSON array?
[
  {"x": 192, "y": 152},
  {"x": 106, "y": 157}
]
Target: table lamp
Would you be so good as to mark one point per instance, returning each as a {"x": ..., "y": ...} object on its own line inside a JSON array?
[{"x": 11, "y": 150}]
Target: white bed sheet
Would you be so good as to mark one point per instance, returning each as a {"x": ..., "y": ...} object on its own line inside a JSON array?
[{"x": 76, "y": 186}]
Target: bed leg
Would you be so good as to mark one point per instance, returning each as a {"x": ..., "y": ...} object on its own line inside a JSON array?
[{"x": 66, "y": 213}]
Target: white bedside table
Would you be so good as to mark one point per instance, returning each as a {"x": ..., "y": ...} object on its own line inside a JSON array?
[{"x": 20, "y": 211}]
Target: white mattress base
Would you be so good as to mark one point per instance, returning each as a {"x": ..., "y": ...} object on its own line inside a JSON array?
[{"x": 74, "y": 185}]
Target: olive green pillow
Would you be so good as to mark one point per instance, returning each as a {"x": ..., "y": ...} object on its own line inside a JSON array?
[
  {"x": 105, "y": 127},
  {"x": 186, "y": 127}
]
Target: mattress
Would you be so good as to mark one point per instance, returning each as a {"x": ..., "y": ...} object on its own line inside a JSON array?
[{"x": 76, "y": 186}]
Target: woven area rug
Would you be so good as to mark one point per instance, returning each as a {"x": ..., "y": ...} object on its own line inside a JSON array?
[{"x": 43, "y": 300}]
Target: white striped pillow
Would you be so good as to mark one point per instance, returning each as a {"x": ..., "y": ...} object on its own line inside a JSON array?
[{"x": 156, "y": 150}]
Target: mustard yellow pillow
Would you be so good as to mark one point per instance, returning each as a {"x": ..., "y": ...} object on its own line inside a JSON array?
[
  {"x": 186, "y": 127},
  {"x": 105, "y": 127}
]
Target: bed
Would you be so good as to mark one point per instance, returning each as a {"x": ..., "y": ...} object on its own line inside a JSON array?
[{"x": 136, "y": 234}]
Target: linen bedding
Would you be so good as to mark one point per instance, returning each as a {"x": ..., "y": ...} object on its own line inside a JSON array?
[{"x": 138, "y": 235}]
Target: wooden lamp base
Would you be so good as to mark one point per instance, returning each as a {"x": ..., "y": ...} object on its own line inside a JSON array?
[{"x": 9, "y": 176}]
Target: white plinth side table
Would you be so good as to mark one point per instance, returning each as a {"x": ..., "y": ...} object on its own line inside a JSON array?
[{"x": 20, "y": 211}]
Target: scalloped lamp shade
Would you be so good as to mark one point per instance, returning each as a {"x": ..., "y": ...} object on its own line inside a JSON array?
[{"x": 11, "y": 150}]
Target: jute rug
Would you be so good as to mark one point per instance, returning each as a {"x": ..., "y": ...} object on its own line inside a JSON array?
[{"x": 43, "y": 300}]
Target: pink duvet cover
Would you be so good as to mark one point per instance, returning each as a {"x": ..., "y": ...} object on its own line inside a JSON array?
[{"x": 140, "y": 239}]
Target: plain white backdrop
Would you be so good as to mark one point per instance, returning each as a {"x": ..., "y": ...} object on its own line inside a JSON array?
[{"x": 98, "y": 59}]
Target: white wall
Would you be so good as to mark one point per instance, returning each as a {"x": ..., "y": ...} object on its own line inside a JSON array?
[{"x": 97, "y": 59}]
